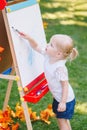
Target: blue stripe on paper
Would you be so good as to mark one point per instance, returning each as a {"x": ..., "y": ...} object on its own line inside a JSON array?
[{"x": 20, "y": 5}]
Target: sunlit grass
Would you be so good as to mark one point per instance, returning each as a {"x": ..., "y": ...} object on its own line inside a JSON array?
[
  {"x": 67, "y": 12},
  {"x": 81, "y": 108},
  {"x": 81, "y": 6},
  {"x": 67, "y": 18},
  {"x": 52, "y": 5},
  {"x": 69, "y": 22},
  {"x": 58, "y": 15},
  {"x": 81, "y": 13}
]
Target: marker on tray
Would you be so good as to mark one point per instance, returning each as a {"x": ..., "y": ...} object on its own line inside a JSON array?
[{"x": 16, "y": 30}]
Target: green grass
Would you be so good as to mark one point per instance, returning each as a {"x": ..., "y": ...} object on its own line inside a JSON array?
[{"x": 70, "y": 18}]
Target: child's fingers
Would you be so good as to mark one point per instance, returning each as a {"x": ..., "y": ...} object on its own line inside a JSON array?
[
  {"x": 61, "y": 108},
  {"x": 21, "y": 33}
]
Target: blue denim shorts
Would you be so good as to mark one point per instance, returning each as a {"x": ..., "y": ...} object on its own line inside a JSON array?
[{"x": 68, "y": 113}]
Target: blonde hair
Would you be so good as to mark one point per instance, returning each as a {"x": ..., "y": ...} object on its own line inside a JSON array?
[
  {"x": 65, "y": 43},
  {"x": 73, "y": 54}
]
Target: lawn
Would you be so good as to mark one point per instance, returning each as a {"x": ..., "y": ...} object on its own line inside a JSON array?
[{"x": 70, "y": 18}]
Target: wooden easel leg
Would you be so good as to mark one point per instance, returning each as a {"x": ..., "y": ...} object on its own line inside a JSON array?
[
  {"x": 25, "y": 107},
  {"x": 27, "y": 116},
  {"x": 24, "y": 104},
  {"x": 9, "y": 87}
]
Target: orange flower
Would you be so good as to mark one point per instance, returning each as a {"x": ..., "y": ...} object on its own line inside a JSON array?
[
  {"x": 13, "y": 114},
  {"x": 3, "y": 126},
  {"x": 8, "y": 128},
  {"x": 15, "y": 126},
  {"x": 19, "y": 112},
  {"x": 46, "y": 114},
  {"x": 45, "y": 24},
  {"x": 5, "y": 118},
  {"x": 33, "y": 115},
  {"x": 6, "y": 122}
]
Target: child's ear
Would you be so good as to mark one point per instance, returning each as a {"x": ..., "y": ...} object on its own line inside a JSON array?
[{"x": 58, "y": 54}]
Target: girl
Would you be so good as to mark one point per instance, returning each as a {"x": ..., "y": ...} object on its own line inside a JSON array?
[{"x": 56, "y": 54}]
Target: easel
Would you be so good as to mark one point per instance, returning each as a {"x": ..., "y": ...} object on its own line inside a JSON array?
[
  {"x": 14, "y": 77},
  {"x": 40, "y": 84}
]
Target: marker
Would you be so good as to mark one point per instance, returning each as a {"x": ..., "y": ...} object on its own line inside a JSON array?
[
  {"x": 16, "y": 30},
  {"x": 40, "y": 91}
]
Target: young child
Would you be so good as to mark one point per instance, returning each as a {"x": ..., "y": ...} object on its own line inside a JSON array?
[{"x": 56, "y": 53}]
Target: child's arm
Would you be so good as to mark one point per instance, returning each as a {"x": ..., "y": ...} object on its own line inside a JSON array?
[
  {"x": 62, "y": 76},
  {"x": 32, "y": 42},
  {"x": 62, "y": 104}
]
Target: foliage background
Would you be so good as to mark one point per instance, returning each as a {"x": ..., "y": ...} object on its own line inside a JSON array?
[{"x": 67, "y": 17}]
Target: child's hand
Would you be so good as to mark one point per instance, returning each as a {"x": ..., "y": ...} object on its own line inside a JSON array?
[
  {"x": 61, "y": 107},
  {"x": 25, "y": 36}
]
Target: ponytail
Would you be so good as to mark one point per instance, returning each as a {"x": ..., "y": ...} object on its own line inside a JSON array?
[{"x": 73, "y": 54}]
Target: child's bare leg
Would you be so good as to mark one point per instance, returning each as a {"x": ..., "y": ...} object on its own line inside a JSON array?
[
  {"x": 63, "y": 124},
  {"x": 69, "y": 124}
]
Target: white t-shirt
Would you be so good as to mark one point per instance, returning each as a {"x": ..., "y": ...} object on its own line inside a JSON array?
[{"x": 55, "y": 73}]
